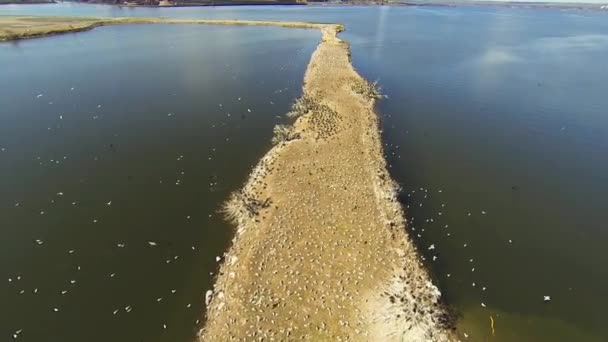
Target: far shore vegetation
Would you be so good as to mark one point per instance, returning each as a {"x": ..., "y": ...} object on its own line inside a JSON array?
[
  {"x": 25, "y": 2},
  {"x": 184, "y": 3}
]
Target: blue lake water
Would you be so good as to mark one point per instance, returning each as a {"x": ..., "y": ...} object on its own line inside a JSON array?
[{"x": 495, "y": 124}]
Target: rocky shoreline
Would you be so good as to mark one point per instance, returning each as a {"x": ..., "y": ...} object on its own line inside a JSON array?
[{"x": 321, "y": 251}]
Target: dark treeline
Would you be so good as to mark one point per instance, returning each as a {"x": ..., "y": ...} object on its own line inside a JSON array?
[
  {"x": 4, "y": 2},
  {"x": 196, "y": 2}
]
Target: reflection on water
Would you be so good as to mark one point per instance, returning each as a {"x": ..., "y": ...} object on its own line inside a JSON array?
[
  {"x": 118, "y": 146},
  {"x": 495, "y": 125},
  {"x": 497, "y": 134}
]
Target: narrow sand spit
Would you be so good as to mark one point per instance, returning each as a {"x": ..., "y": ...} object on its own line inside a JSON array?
[
  {"x": 22, "y": 27},
  {"x": 321, "y": 252}
]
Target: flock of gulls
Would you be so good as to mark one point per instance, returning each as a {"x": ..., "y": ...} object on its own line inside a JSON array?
[
  {"x": 415, "y": 198},
  {"x": 20, "y": 283},
  {"x": 323, "y": 124}
]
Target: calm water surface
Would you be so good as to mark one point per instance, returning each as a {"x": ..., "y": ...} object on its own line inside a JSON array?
[
  {"x": 495, "y": 125},
  {"x": 118, "y": 147}
]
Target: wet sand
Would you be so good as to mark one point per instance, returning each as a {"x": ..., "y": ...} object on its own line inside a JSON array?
[{"x": 321, "y": 252}]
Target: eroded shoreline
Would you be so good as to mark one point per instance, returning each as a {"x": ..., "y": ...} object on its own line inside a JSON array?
[{"x": 321, "y": 251}]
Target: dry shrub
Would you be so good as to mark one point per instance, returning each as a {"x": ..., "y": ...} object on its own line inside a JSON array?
[
  {"x": 370, "y": 90},
  {"x": 303, "y": 105},
  {"x": 9, "y": 35},
  {"x": 283, "y": 133},
  {"x": 241, "y": 206}
]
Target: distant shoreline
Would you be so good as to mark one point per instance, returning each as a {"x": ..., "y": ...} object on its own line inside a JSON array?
[
  {"x": 510, "y": 4},
  {"x": 24, "y": 27},
  {"x": 431, "y": 3},
  {"x": 26, "y": 2},
  {"x": 193, "y": 4},
  {"x": 203, "y": 5}
]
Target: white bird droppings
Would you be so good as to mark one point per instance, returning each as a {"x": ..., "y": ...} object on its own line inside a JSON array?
[{"x": 208, "y": 295}]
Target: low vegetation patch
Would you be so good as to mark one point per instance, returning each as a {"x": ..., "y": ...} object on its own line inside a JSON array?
[
  {"x": 302, "y": 106},
  {"x": 370, "y": 90},
  {"x": 8, "y": 35},
  {"x": 242, "y": 206},
  {"x": 283, "y": 134}
]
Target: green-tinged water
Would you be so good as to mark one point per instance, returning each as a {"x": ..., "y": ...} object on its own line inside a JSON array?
[
  {"x": 118, "y": 147},
  {"x": 495, "y": 125}
]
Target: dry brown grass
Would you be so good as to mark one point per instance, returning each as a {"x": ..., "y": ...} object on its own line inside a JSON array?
[
  {"x": 234, "y": 209},
  {"x": 21, "y": 27},
  {"x": 242, "y": 206},
  {"x": 370, "y": 90},
  {"x": 302, "y": 106},
  {"x": 283, "y": 134}
]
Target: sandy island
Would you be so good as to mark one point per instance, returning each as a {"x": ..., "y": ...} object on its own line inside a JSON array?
[{"x": 320, "y": 251}]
